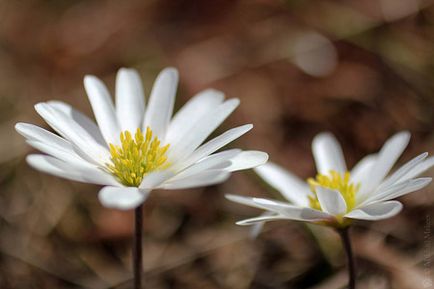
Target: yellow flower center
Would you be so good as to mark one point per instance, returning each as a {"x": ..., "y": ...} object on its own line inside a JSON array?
[
  {"x": 334, "y": 181},
  {"x": 136, "y": 157}
]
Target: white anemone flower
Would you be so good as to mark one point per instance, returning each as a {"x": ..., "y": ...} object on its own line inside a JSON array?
[
  {"x": 336, "y": 197},
  {"x": 134, "y": 148}
]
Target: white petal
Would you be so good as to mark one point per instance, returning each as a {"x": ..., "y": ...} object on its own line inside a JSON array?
[
  {"x": 161, "y": 102},
  {"x": 257, "y": 227},
  {"x": 261, "y": 219},
  {"x": 361, "y": 170},
  {"x": 290, "y": 186},
  {"x": 360, "y": 175},
  {"x": 277, "y": 207},
  {"x": 213, "y": 145},
  {"x": 328, "y": 154},
  {"x": 49, "y": 143},
  {"x": 122, "y": 198},
  {"x": 66, "y": 154},
  {"x": 377, "y": 211},
  {"x": 80, "y": 119},
  {"x": 397, "y": 176},
  {"x": 210, "y": 162},
  {"x": 103, "y": 109},
  {"x": 73, "y": 132},
  {"x": 205, "y": 178},
  {"x": 130, "y": 100},
  {"x": 83, "y": 122},
  {"x": 41, "y": 163},
  {"x": 70, "y": 171},
  {"x": 398, "y": 190},
  {"x": 259, "y": 203},
  {"x": 201, "y": 130},
  {"x": 197, "y": 107},
  {"x": 247, "y": 160},
  {"x": 414, "y": 185},
  {"x": 154, "y": 179},
  {"x": 331, "y": 201},
  {"x": 302, "y": 214},
  {"x": 388, "y": 155},
  {"x": 419, "y": 169},
  {"x": 283, "y": 209},
  {"x": 35, "y": 133}
]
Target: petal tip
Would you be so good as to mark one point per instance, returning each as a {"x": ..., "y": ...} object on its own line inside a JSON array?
[
  {"x": 242, "y": 223},
  {"x": 171, "y": 72},
  {"x": 19, "y": 126},
  {"x": 234, "y": 101},
  {"x": 89, "y": 78},
  {"x": 248, "y": 126},
  {"x": 404, "y": 135},
  {"x": 126, "y": 71},
  {"x": 230, "y": 197}
]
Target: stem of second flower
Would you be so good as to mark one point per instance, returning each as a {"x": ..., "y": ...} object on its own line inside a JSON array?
[
  {"x": 346, "y": 242},
  {"x": 137, "y": 247}
]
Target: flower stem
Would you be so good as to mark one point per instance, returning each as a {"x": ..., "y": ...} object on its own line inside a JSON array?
[
  {"x": 346, "y": 242},
  {"x": 137, "y": 247}
]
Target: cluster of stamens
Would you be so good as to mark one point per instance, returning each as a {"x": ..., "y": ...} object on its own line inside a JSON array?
[
  {"x": 334, "y": 181},
  {"x": 137, "y": 156}
]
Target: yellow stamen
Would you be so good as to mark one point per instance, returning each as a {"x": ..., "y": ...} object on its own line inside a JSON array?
[
  {"x": 136, "y": 157},
  {"x": 334, "y": 181}
]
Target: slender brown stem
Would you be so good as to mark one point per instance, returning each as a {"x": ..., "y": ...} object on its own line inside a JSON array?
[
  {"x": 137, "y": 247},
  {"x": 346, "y": 242}
]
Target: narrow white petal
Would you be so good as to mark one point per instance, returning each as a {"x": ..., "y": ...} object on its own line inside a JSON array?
[
  {"x": 161, "y": 102},
  {"x": 210, "y": 162},
  {"x": 196, "y": 108},
  {"x": 35, "y": 133},
  {"x": 74, "y": 133},
  {"x": 122, "y": 198},
  {"x": 201, "y": 130},
  {"x": 290, "y": 186},
  {"x": 80, "y": 119},
  {"x": 49, "y": 143},
  {"x": 40, "y": 163},
  {"x": 213, "y": 145},
  {"x": 103, "y": 109},
  {"x": 402, "y": 171},
  {"x": 328, "y": 154},
  {"x": 261, "y": 219},
  {"x": 360, "y": 175},
  {"x": 259, "y": 203},
  {"x": 66, "y": 154},
  {"x": 70, "y": 171},
  {"x": 205, "y": 178},
  {"x": 257, "y": 227},
  {"x": 360, "y": 172},
  {"x": 419, "y": 169},
  {"x": 84, "y": 123},
  {"x": 278, "y": 207},
  {"x": 247, "y": 160},
  {"x": 398, "y": 190},
  {"x": 377, "y": 211},
  {"x": 130, "y": 100},
  {"x": 416, "y": 185},
  {"x": 283, "y": 209},
  {"x": 331, "y": 201},
  {"x": 155, "y": 179},
  {"x": 388, "y": 155},
  {"x": 298, "y": 214}
]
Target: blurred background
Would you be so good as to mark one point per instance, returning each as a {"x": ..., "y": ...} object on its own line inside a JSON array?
[{"x": 361, "y": 69}]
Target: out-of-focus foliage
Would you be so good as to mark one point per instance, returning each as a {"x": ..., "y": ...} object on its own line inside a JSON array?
[{"x": 361, "y": 69}]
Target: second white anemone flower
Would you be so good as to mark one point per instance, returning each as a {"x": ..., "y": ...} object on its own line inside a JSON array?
[
  {"x": 134, "y": 148},
  {"x": 336, "y": 196}
]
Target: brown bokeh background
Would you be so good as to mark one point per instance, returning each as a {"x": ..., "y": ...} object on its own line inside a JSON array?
[{"x": 361, "y": 69}]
